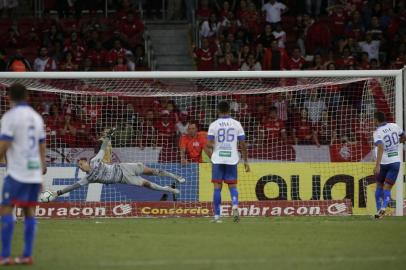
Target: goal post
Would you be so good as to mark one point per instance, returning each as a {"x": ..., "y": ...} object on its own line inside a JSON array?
[{"x": 323, "y": 158}]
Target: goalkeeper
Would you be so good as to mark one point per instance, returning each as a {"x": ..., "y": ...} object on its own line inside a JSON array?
[{"x": 97, "y": 171}]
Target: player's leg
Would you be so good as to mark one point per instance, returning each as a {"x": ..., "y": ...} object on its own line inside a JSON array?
[
  {"x": 390, "y": 180},
  {"x": 7, "y": 231},
  {"x": 230, "y": 178},
  {"x": 30, "y": 223},
  {"x": 162, "y": 173},
  {"x": 154, "y": 186},
  {"x": 10, "y": 190},
  {"x": 380, "y": 179},
  {"x": 217, "y": 180}
]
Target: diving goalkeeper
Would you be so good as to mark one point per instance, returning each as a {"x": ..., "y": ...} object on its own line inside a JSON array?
[{"x": 98, "y": 171}]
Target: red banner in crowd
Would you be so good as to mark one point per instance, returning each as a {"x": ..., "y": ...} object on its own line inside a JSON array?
[{"x": 190, "y": 209}]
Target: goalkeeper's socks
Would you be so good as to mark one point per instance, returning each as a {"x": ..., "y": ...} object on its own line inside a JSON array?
[
  {"x": 234, "y": 196},
  {"x": 30, "y": 225},
  {"x": 378, "y": 198},
  {"x": 217, "y": 201},
  {"x": 7, "y": 230},
  {"x": 386, "y": 198}
]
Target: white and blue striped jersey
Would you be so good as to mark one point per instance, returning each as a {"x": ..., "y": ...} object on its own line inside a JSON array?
[
  {"x": 389, "y": 135},
  {"x": 226, "y": 132},
  {"x": 24, "y": 127}
]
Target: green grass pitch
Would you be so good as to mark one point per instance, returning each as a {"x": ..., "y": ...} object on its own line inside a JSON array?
[{"x": 194, "y": 243}]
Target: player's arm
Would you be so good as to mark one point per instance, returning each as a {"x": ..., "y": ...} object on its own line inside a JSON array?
[
  {"x": 208, "y": 148},
  {"x": 102, "y": 150},
  {"x": 4, "y": 145},
  {"x": 42, "y": 152},
  {"x": 74, "y": 186},
  {"x": 244, "y": 154},
  {"x": 379, "y": 154},
  {"x": 243, "y": 147},
  {"x": 402, "y": 137},
  {"x": 182, "y": 149}
]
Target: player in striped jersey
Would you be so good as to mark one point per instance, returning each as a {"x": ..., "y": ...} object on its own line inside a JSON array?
[{"x": 98, "y": 171}]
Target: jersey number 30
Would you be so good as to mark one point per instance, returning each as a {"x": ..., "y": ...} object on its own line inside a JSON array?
[{"x": 391, "y": 139}]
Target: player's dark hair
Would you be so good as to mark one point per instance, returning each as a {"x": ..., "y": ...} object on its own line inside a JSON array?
[
  {"x": 380, "y": 117},
  {"x": 17, "y": 92},
  {"x": 223, "y": 107}
]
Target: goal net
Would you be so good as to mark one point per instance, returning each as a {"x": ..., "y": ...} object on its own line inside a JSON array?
[{"x": 309, "y": 137}]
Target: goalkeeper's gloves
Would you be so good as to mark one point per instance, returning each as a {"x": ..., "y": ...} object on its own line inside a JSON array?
[{"x": 109, "y": 133}]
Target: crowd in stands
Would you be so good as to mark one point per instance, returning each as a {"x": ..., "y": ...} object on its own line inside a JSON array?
[
  {"x": 297, "y": 35},
  {"x": 74, "y": 41}
]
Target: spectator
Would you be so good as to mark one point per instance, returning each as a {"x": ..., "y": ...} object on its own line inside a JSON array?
[
  {"x": 18, "y": 63},
  {"x": 317, "y": 62},
  {"x": 51, "y": 128},
  {"x": 266, "y": 37},
  {"x": 8, "y": 8},
  {"x": 147, "y": 130},
  {"x": 43, "y": 62},
  {"x": 69, "y": 130},
  {"x": 346, "y": 60},
  {"x": 139, "y": 59},
  {"x": 313, "y": 7},
  {"x": 296, "y": 61},
  {"x": 53, "y": 35},
  {"x": 315, "y": 105},
  {"x": 280, "y": 35},
  {"x": 116, "y": 52},
  {"x": 337, "y": 21},
  {"x": 303, "y": 132},
  {"x": 183, "y": 123},
  {"x": 204, "y": 56},
  {"x": 274, "y": 128},
  {"x": 364, "y": 63},
  {"x": 120, "y": 65},
  {"x": 260, "y": 113},
  {"x": 227, "y": 63},
  {"x": 87, "y": 65},
  {"x": 275, "y": 58},
  {"x": 69, "y": 63},
  {"x": 282, "y": 106},
  {"x": 191, "y": 145},
  {"x": 77, "y": 50},
  {"x": 2, "y": 60},
  {"x": 273, "y": 11},
  {"x": 203, "y": 12},
  {"x": 14, "y": 39},
  {"x": 370, "y": 46},
  {"x": 165, "y": 127},
  {"x": 251, "y": 64},
  {"x": 210, "y": 27},
  {"x": 326, "y": 129},
  {"x": 131, "y": 26},
  {"x": 98, "y": 55}
]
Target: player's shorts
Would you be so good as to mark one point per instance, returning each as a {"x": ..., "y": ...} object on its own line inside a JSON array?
[
  {"x": 132, "y": 173},
  {"x": 18, "y": 193},
  {"x": 224, "y": 173},
  {"x": 388, "y": 173}
]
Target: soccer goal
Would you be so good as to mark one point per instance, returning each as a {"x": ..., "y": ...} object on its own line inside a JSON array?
[{"x": 309, "y": 136}]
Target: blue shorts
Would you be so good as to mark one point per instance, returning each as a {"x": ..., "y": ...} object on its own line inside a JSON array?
[
  {"x": 20, "y": 194},
  {"x": 388, "y": 173},
  {"x": 224, "y": 173}
]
